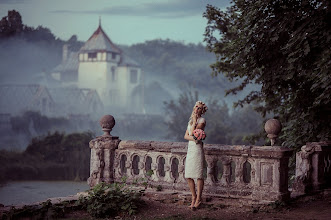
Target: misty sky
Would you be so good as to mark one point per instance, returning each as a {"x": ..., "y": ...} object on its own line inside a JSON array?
[{"x": 125, "y": 21}]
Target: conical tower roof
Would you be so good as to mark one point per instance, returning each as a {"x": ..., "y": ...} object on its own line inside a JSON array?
[{"x": 99, "y": 41}]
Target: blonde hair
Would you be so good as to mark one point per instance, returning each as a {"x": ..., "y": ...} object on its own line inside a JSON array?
[{"x": 204, "y": 110}]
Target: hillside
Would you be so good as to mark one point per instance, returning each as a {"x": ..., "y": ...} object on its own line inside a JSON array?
[{"x": 29, "y": 54}]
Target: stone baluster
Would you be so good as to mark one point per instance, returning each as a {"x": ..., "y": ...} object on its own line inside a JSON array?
[
  {"x": 238, "y": 172},
  {"x": 154, "y": 168},
  {"x": 167, "y": 169},
  {"x": 211, "y": 169},
  {"x": 254, "y": 178},
  {"x": 129, "y": 167},
  {"x": 181, "y": 171},
  {"x": 225, "y": 180},
  {"x": 141, "y": 167}
]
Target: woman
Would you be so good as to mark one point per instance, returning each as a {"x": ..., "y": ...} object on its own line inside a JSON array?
[{"x": 195, "y": 155}]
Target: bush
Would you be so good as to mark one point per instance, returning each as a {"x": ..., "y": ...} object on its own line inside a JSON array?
[{"x": 106, "y": 200}]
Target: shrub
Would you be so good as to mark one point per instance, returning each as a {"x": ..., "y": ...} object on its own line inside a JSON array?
[{"x": 106, "y": 200}]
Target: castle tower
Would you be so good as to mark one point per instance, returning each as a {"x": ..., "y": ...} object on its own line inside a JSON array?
[{"x": 116, "y": 77}]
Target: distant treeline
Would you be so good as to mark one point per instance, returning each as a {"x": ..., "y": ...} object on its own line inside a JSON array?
[
  {"x": 57, "y": 156},
  {"x": 38, "y": 51},
  {"x": 60, "y": 156},
  {"x": 17, "y": 134}
]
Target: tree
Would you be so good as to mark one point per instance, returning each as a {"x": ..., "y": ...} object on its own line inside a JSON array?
[
  {"x": 218, "y": 120},
  {"x": 284, "y": 46},
  {"x": 11, "y": 24}
]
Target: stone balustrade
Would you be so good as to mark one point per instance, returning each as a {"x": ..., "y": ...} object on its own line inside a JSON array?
[
  {"x": 255, "y": 174},
  {"x": 248, "y": 172},
  {"x": 313, "y": 167}
]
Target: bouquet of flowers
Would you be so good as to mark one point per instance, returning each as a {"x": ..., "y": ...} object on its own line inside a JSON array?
[{"x": 199, "y": 134}]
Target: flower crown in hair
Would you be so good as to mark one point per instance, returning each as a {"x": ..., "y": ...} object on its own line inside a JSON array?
[{"x": 204, "y": 106}]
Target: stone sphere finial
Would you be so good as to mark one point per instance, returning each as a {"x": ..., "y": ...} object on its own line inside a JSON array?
[
  {"x": 107, "y": 122},
  {"x": 273, "y": 128}
]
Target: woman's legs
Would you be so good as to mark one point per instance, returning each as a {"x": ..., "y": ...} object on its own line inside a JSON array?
[
  {"x": 199, "y": 193},
  {"x": 192, "y": 189}
]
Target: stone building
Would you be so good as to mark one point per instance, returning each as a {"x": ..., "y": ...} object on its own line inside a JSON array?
[
  {"x": 51, "y": 102},
  {"x": 17, "y": 99},
  {"x": 101, "y": 65}
]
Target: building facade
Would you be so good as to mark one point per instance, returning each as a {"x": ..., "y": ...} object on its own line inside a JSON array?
[{"x": 103, "y": 66}]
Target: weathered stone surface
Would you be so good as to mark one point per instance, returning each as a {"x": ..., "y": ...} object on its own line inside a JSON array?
[
  {"x": 273, "y": 128},
  {"x": 102, "y": 159},
  {"x": 271, "y": 152},
  {"x": 266, "y": 180},
  {"x": 313, "y": 167},
  {"x": 252, "y": 173}
]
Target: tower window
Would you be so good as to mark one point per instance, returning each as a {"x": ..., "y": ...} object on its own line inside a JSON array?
[
  {"x": 113, "y": 74},
  {"x": 92, "y": 55},
  {"x": 113, "y": 56},
  {"x": 133, "y": 76}
]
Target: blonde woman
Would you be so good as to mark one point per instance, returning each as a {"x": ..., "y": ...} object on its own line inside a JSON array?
[{"x": 195, "y": 154}]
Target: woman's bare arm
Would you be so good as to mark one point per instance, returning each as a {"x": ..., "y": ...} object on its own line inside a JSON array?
[
  {"x": 188, "y": 137},
  {"x": 199, "y": 126}
]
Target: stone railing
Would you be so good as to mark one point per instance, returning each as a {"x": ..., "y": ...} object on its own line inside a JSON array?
[
  {"x": 250, "y": 172},
  {"x": 258, "y": 174},
  {"x": 313, "y": 167}
]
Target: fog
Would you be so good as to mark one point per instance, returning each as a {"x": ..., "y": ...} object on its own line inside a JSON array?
[{"x": 35, "y": 103}]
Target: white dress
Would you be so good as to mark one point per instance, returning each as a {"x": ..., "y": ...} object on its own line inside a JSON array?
[{"x": 195, "y": 157}]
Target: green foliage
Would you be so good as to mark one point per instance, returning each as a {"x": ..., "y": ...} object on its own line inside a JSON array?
[
  {"x": 284, "y": 46},
  {"x": 221, "y": 127},
  {"x": 106, "y": 200},
  {"x": 11, "y": 24},
  {"x": 51, "y": 157},
  {"x": 36, "y": 49},
  {"x": 178, "y": 114},
  {"x": 40, "y": 124},
  {"x": 149, "y": 173},
  {"x": 177, "y": 63}
]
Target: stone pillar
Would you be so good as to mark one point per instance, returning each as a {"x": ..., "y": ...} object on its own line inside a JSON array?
[
  {"x": 313, "y": 171},
  {"x": 103, "y": 154},
  {"x": 225, "y": 180},
  {"x": 271, "y": 173},
  {"x": 211, "y": 166}
]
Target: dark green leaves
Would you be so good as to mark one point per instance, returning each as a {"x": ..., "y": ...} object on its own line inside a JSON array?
[{"x": 286, "y": 47}]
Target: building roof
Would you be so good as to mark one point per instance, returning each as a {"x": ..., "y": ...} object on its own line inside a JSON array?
[
  {"x": 75, "y": 100},
  {"x": 18, "y": 98},
  {"x": 70, "y": 64},
  {"x": 99, "y": 41}
]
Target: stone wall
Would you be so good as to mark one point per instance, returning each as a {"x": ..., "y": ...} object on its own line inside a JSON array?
[
  {"x": 313, "y": 167},
  {"x": 255, "y": 173}
]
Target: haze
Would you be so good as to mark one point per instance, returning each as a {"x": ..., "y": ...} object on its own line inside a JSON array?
[{"x": 126, "y": 22}]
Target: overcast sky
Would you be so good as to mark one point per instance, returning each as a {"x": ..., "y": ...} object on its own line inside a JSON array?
[{"x": 125, "y": 21}]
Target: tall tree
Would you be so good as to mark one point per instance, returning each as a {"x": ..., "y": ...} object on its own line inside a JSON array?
[
  {"x": 284, "y": 46},
  {"x": 11, "y": 24},
  {"x": 218, "y": 120}
]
